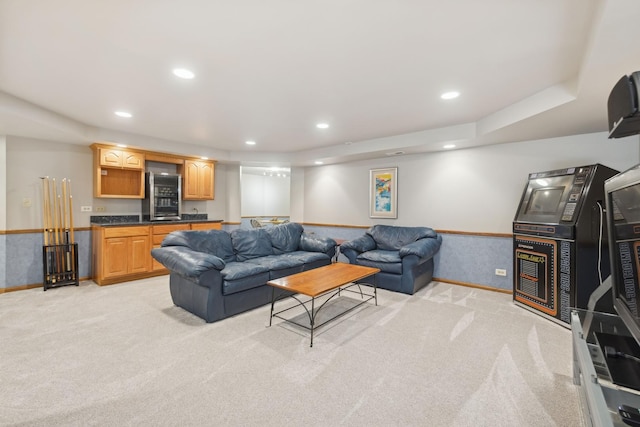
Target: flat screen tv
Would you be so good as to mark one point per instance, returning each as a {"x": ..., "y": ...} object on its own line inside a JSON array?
[
  {"x": 622, "y": 199},
  {"x": 544, "y": 199}
]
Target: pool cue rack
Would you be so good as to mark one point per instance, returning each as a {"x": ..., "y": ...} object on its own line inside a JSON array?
[{"x": 60, "y": 250}]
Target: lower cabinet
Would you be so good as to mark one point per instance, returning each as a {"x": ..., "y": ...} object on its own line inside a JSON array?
[
  {"x": 120, "y": 253},
  {"x": 158, "y": 233},
  {"x": 123, "y": 253}
]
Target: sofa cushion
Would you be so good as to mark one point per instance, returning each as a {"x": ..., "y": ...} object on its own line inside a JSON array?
[
  {"x": 378, "y": 255},
  {"x": 240, "y": 270},
  {"x": 387, "y": 261},
  {"x": 240, "y": 276},
  {"x": 252, "y": 243},
  {"x": 389, "y": 237},
  {"x": 214, "y": 242},
  {"x": 309, "y": 257},
  {"x": 285, "y": 237},
  {"x": 277, "y": 262}
]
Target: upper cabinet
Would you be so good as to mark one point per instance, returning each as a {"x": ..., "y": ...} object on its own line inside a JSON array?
[
  {"x": 121, "y": 159},
  {"x": 197, "y": 180},
  {"x": 118, "y": 173}
]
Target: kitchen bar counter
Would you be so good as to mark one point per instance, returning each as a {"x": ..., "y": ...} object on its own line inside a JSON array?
[{"x": 132, "y": 220}]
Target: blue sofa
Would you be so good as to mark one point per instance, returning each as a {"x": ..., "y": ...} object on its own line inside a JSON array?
[
  {"x": 215, "y": 274},
  {"x": 404, "y": 255}
]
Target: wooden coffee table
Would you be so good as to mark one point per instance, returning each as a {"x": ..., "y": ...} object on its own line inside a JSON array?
[{"x": 337, "y": 278}]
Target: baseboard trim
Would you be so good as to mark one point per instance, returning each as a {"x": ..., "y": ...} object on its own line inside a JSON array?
[
  {"x": 473, "y": 285},
  {"x": 31, "y": 286}
]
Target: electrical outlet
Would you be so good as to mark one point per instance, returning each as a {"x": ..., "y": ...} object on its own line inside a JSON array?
[
  {"x": 100, "y": 209},
  {"x": 501, "y": 272},
  {"x": 85, "y": 208}
]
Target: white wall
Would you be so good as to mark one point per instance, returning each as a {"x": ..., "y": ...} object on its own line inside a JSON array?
[
  {"x": 296, "y": 207},
  {"x": 475, "y": 190},
  {"x": 264, "y": 195},
  {"x": 3, "y": 182},
  {"x": 27, "y": 161},
  {"x": 229, "y": 176}
]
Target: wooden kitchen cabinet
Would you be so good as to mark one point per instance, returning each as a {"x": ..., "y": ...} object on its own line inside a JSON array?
[
  {"x": 197, "y": 180},
  {"x": 118, "y": 173},
  {"x": 206, "y": 226},
  {"x": 113, "y": 158},
  {"x": 123, "y": 253},
  {"x": 120, "y": 253},
  {"x": 158, "y": 233}
]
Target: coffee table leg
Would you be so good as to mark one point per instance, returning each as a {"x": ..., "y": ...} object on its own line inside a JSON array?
[
  {"x": 375, "y": 290},
  {"x": 312, "y": 316},
  {"x": 273, "y": 293}
]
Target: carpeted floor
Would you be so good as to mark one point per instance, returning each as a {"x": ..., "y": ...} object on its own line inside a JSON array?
[{"x": 125, "y": 355}]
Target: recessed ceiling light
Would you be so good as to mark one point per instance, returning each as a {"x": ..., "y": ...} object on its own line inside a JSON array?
[
  {"x": 450, "y": 95},
  {"x": 449, "y": 146},
  {"x": 183, "y": 73},
  {"x": 123, "y": 114},
  {"x": 250, "y": 142},
  {"x": 322, "y": 125},
  {"x": 318, "y": 162}
]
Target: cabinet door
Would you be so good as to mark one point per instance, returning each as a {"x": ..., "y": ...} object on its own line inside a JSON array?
[
  {"x": 206, "y": 181},
  {"x": 115, "y": 257},
  {"x": 198, "y": 179},
  {"x": 132, "y": 160},
  {"x": 138, "y": 254},
  {"x": 156, "y": 243},
  {"x": 190, "y": 188},
  {"x": 110, "y": 158}
]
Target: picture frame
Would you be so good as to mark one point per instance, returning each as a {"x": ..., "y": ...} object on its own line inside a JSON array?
[{"x": 383, "y": 193}]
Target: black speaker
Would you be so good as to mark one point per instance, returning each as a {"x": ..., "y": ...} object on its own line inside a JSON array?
[{"x": 622, "y": 106}]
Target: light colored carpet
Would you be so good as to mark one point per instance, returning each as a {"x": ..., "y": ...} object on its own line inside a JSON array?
[{"x": 125, "y": 355}]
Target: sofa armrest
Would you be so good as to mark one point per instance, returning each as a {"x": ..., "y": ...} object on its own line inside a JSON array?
[
  {"x": 187, "y": 262},
  {"x": 423, "y": 248},
  {"x": 361, "y": 244},
  {"x": 311, "y": 243}
]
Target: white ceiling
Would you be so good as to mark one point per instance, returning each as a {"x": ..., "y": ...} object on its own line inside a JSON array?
[{"x": 270, "y": 70}]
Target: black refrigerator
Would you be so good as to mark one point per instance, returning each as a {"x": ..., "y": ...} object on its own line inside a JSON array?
[{"x": 162, "y": 197}]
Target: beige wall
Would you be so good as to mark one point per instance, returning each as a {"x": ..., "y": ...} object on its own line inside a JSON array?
[
  {"x": 476, "y": 190},
  {"x": 27, "y": 160}
]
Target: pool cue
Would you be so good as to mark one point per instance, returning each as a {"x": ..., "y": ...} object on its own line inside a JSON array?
[
  {"x": 61, "y": 263},
  {"x": 51, "y": 249},
  {"x": 45, "y": 225},
  {"x": 65, "y": 221},
  {"x": 73, "y": 240},
  {"x": 56, "y": 228}
]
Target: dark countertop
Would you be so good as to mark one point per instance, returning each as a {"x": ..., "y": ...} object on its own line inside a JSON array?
[{"x": 125, "y": 220}]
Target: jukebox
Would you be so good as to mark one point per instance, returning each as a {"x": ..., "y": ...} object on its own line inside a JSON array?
[{"x": 559, "y": 240}]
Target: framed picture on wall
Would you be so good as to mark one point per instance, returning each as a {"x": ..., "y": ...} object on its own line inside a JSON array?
[{"x": 383, "y": 196}]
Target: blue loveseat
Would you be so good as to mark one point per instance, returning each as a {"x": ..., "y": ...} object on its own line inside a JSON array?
[
  {"x": 215, "y": 274},
  {"x": 404, "y": 255}
]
